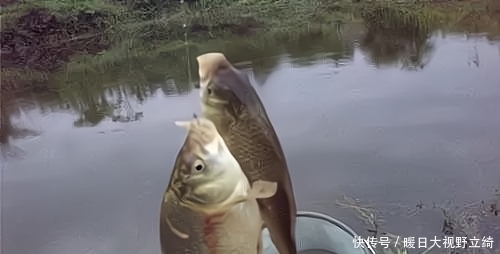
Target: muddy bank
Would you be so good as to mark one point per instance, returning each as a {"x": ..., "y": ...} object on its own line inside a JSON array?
[
  {"x": 41, "y": 42},
  {"x": 4, "y": 3}
]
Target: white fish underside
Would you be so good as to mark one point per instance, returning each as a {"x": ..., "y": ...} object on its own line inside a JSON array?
[{"x": 241, "y": 230}]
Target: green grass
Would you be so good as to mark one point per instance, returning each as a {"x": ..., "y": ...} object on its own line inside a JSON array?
[
  {"x": 60, "y": 8},
  {"x": 165, "y": 33},
  {"x": 136, "y": 36}
]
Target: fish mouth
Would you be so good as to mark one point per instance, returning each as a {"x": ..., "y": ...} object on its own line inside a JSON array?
[{"x": 217, "y": 101}]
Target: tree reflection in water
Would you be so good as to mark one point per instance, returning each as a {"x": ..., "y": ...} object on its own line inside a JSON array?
[
  {"x": 9, "y": 130},
  {"x": 396, "y": 38}
]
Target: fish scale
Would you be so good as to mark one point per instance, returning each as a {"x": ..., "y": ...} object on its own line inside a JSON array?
[
  {"x": 255, "y": 152},
  {"x": 250, "y": 144}
]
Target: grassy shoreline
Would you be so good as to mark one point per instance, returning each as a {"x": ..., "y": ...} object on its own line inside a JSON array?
[{"x": 120, "y": 32}]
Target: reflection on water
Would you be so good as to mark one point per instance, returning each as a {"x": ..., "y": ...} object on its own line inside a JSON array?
[
  {"x": 405, "y": 141},
  {"x": 10, "y": 131}
]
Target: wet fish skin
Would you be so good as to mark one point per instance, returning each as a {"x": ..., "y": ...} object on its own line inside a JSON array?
[
  {"x": 230, "y": 101},
  {"x": 207, "y": 184}
]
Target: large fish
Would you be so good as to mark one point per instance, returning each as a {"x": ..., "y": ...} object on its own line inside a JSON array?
[
  {"x": 209, "y": 206},
  {"x": 231, "y": 103}
]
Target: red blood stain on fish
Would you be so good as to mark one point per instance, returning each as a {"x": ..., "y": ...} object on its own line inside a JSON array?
[{"x": 209, "y": 230}]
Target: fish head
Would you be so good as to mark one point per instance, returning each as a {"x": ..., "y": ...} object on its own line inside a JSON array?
[
  {"x": 205, "y": 173},
  {"x": 222, "y": 85}
]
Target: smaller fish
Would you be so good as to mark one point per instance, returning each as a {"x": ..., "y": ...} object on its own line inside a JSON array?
[{"x": 208, "y": 180}]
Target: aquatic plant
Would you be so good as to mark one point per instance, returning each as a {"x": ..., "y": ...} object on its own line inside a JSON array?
[{"x": 462, "y": 220}]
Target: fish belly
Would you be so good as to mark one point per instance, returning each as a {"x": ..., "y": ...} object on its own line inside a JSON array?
[{"x": 240, "y": 231}]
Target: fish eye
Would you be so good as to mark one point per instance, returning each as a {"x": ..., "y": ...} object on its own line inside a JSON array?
[
  {"x": 198, "y": 166},
  {"x": 209, "y": 91}
]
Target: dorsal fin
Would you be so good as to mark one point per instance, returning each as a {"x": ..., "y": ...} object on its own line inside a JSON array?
[{"x": 209, "y": 64}]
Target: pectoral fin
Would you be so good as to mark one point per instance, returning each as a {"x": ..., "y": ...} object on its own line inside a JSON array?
[
  {"x": 169, "y": 206},
  {"x": 263, "y": 189},
  {"x": 175, "y": 230}
]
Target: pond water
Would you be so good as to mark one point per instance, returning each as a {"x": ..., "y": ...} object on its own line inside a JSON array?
[{"x": 406, "y": 131}]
